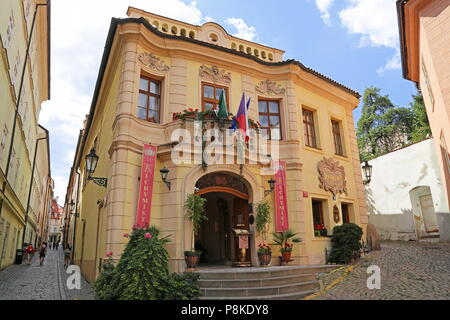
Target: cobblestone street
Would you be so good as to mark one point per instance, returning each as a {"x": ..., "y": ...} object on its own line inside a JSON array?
[
  {"x": 409, "y": 270},
  {"x": 46, "y": 282}
]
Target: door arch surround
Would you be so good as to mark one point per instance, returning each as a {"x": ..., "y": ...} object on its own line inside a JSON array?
[{"x": 255, "y": 194}]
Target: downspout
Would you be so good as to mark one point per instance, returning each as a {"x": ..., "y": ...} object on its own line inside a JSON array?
[
  {"x": 76, "y": 217},
  {"x": 36, "y": 147}
]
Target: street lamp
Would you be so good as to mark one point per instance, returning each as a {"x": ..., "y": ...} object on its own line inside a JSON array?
[
  {"x": 164, "y": 173},
  {"x": 271, "y": 185},
  {"x": 71, "y": 206},
  {"x": 91, "y": 165},
  {"x": 367, "y": 169}
]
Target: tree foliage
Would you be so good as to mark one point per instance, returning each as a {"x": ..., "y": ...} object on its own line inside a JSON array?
[
  {"x": 421, "y": 126},
  {"x": 384, "y": 127},
  {"x": 143, "y": 273}
]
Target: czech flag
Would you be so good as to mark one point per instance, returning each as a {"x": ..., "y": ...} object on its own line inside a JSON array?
[{"x": 241, "y": 118}]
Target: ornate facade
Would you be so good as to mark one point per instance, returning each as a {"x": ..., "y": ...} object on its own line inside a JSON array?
[{"x": 154, "y": 67}]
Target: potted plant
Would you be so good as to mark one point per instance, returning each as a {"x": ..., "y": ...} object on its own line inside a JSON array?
[
  {"x": 195, "y": 208},
  {"x": 285, "y": 240},
  {"x": 262, "y": 221},
  {"x": 320, "y": 230}
]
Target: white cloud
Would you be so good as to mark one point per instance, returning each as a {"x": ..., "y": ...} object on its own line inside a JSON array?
[
  {"x": 78, "y": 37},
  {"x": 376, "y": 22},
  {"x": 394, "y": 63},
  {"x": 243, "y": 30},
  {"x": 324, "y": 8}
]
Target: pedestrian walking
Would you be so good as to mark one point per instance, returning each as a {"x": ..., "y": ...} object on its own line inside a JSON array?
[
  {"x": 30, "y": 253},
  {"x": 42, "y": 252},
  {"x": 67, "y": 255}
]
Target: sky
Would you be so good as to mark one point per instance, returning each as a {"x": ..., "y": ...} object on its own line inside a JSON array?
[{"x": 355, "y": 42}]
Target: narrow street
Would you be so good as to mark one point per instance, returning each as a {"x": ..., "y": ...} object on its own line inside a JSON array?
[{"x": 46, "y": 282}]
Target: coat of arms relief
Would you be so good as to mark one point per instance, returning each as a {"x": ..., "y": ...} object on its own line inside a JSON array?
[{"x": 332, "y": 176}]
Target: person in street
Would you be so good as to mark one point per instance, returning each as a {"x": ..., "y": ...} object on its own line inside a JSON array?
[
  {"x": 67, "y": 255},
  {"x": 42, "y": 252},
  {"x": 30, "y": 253}
]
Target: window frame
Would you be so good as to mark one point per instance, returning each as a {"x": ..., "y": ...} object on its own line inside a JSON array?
[
  {"x": 214, "y": 101},
  {"x": 320, "y": 202},
  {"x": 150, "y": 94},
  {"x": 337, "y": 137},
  {"x": 269, "y": 114},
  {"x": 306, "y": 126}
]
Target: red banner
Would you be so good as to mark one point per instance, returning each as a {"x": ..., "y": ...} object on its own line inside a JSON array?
[
  {"x": 146, "y": 189},
  {"x": 281, "y": 219}
]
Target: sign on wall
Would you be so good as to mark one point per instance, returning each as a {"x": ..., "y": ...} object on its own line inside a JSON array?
[
  {"x": 146, "y": 187},
  {"x": 281, "y": 219}
]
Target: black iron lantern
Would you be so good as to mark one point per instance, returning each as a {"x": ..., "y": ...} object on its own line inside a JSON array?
[
  {"x": 164, "y": 174},
  {"x": 72, "y": 206},
  {"x": 91, "y": 165},
  {"x": 91, "y": 162},
  {"x": 367, "y": 169},
  {"x": 272, "y": 184}
]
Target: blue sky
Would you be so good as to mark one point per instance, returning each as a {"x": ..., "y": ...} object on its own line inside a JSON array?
[{"x": 354, "y": 42}]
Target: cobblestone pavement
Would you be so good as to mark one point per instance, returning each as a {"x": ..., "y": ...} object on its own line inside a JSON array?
[
  {"x": 46, "y": 282},
  {"x": 409, "y": 271}
]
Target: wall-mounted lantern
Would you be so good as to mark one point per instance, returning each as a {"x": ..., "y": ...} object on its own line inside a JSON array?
[
  {"x": 91, "y": 165},
  {"x": 367, "y": 169}
]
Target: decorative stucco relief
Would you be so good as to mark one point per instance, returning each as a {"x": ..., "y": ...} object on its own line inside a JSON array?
[
  {"x": 152, "y": 61},
  {"x": 332, "y": 176},
  {"x": 269, "y": 87},
  {"x": 214, "y": 74}
]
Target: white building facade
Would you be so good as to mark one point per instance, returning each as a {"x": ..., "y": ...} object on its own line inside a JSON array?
[{"x": 405, "y": 196}]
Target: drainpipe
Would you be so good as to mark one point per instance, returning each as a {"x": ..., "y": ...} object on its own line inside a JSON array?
[
  {"x": 22, "y": 78},
  {"x": 76, "y": 217},
  {"x": 31, "y": 183}
]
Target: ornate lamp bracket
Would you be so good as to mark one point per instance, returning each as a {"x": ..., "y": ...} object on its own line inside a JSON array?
[{"x": 102, "y": 182}]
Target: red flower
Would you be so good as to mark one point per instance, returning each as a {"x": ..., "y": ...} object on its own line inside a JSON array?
[{"x": 109, "y": 254}]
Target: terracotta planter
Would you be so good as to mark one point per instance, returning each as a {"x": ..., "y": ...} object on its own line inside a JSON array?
[
  {"x": 264, "y": 259},
  {"x": 286, "y": 256},
  {"x": 192, "y": 261}
]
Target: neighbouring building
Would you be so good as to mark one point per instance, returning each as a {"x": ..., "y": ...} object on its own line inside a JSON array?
[
  {"x": 24, "y": 145},
  {"x": 55, "y": 226},
  {"x": 153, "y": 67},
  {"x": 425, "y": 46},
  {"x": 406, "y": 192}
]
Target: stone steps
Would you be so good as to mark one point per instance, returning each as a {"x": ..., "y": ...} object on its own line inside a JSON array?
[{"x": 272, "y": 283}]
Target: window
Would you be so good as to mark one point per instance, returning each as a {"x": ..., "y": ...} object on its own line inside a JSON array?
[
  {"x": 269, "y": 117},
  {"x": 149, "y": 100},
  {"x": 337, "y": 137},
  {"x": 310, "y": 131},
  {"x": 319, "y": 220},
  {"x": 427, "y": 82},
  {"x": 345, "y": 213},
  {"x": 317, "y": 212},
  {"x": 211, "y": 95}
]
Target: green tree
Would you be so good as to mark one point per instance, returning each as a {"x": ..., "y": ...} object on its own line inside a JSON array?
[
  {"x": 382, "y": 127},
  {"x": 421, "y": 126}
]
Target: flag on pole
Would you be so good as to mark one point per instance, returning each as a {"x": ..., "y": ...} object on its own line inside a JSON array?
[
  {"x": 242, "y": 118},
  {"x": 223, "y": 111}
]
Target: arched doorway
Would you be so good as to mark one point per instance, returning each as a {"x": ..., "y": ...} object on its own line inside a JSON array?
[
  {"x": 227, "y": 209},
  {"x": 425, "y": 216}
]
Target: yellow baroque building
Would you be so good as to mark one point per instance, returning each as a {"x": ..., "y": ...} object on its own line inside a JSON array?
[
  {"x": 24, "y": 144},
  {"x": 153, "y": 67}
]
